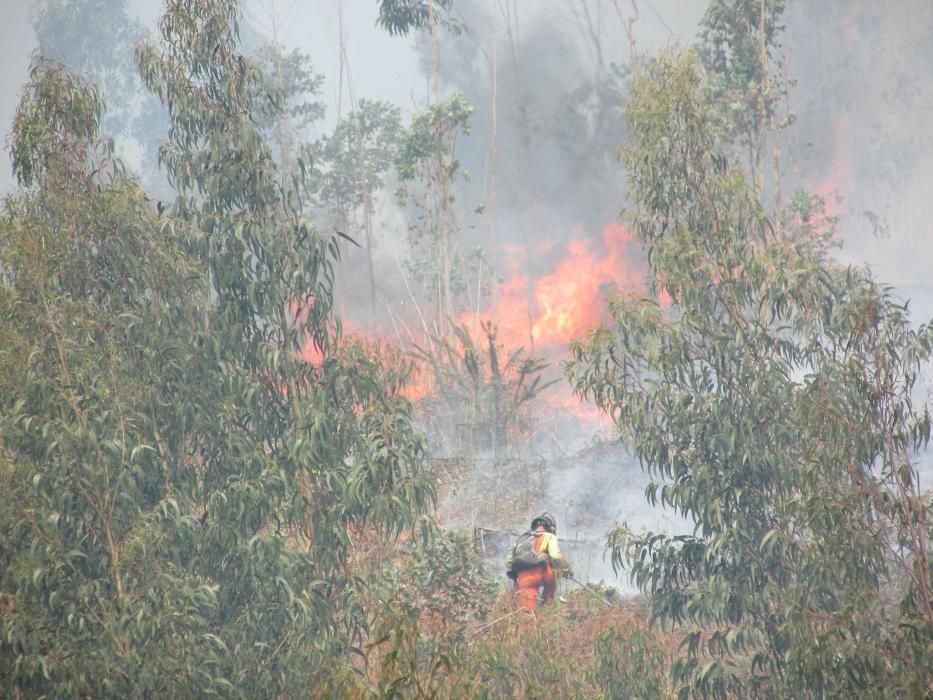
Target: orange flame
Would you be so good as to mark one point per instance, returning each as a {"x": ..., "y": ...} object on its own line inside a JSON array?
[
  {"x": 839, "y": 178},
  {"x": 547, "y": 313},
  {"x": 419, "y": 386},
  {"x": 544, "y": 314}
]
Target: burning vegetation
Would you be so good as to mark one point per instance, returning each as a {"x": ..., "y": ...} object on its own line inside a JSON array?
[{"x": 275, "y": 412}]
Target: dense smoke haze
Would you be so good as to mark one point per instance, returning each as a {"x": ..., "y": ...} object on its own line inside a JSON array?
[
  {"x": 310, "y": 310},
  {"x": 539, "y": 188}
]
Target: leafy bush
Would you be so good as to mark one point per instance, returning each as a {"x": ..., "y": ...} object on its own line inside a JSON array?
[
  {"x": 629, "y": 665},
  {"x": 427, "y": 600},
  {"x": 580, "y": 648}
]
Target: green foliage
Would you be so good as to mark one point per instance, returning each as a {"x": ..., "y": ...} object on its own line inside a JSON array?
[
  {"x": 747, "y": 83},
  {"x": 294, "y": 84},
  {"x": 180, "y": 486},
  {"x": 293, "y": 107},
  {"x": 357, "y": 155},
  {"x": 351, "y": 164},
  {"x": 399, "y": 17},
  {"x": 427, "y": 166},
  {"x": 629, "y": 665},
  {"x": 731, "y": 40},
  {"x": 770, "y": 395},
  {"x": 55, "y": 125},
  {"x": 97, "y": 38},
  {"x": 90, "y": 288},
  {"x": 427, "y": 604},
  {"x": 428, "y": 148}
]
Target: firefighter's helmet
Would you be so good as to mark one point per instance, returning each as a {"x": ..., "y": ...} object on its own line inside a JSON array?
[{"x": 546, "y": 519}]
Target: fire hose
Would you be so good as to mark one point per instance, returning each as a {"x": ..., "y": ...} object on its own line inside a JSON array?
[{"x": 590, "y": 590}]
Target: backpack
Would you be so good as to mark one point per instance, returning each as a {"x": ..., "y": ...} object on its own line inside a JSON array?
[{"x": 524, "y": 555}]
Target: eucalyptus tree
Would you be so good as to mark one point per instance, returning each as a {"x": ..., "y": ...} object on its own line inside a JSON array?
[
  {"x": 739, "y": 45},
  {"x": 399, "y": 17},
  {"x": 99, "y": 37},
  {"x": 769, "y": 393},
  {"x": 355, "y": 159},
  {"x": 427, "y": 166},
  {"x": 180, "y": 487},
  {"x": 295, "y": 108}
]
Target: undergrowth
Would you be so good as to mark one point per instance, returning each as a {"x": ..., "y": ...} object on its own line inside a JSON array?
[
  {"x": 578, "y": 648},
  {"x": 441, "y": 628}
]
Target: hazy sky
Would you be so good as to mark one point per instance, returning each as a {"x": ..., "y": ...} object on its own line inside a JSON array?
[
  {"x": 310, "y": 24},
  {"x": 880, "y": 88},
  {"x": 16, "y": 44},
  {"x": 381, "y": 66}
]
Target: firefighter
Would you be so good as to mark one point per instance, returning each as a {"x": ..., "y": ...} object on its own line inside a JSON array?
[{"x": 536, "y": 562}]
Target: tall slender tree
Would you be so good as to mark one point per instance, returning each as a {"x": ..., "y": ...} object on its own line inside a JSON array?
[
  {"x": 180, "y": 486},
  {"x": 427, "y": 166},
  {"x": 769, "y": 393}
]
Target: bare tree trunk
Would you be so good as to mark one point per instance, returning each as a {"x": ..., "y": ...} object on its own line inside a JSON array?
[
  {"x": 527, "y": 155},
  {"x": 763, "y": 90},
  {"x": 493, "y": 210},
  {"x": 776, "y": 164},
  {"x": 368, "y": 227},
  {"x": 445, "y": 302},
  {"x": 628, "y": 26},
  {"x": 592, "y": 28}
]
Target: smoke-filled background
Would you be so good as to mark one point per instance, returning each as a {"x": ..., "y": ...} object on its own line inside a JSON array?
[{"x": 536, "y": 237}]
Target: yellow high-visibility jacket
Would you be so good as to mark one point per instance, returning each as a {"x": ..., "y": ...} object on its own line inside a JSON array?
[{"x": 547, "y": 543}]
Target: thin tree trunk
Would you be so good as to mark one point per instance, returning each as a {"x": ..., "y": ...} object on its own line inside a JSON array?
[
  {"x": 343, "y": 51},
  {"x": 763, "y": 90},
  {"x": 493, "y": 201},
  {"x": 445, "y": 302},
  {"x": 526, "y": 159}
]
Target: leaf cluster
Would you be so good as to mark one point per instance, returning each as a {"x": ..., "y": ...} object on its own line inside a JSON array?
[
  {"x": 180, "y": 484},
  {"x": 399, "y": 17},
  {"x": 358, "y": 155},
  {"x": 769, "y": 392},
  {"x": 738, "y": 46}
]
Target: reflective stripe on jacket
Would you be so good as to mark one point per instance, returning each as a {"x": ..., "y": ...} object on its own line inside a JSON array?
[{"x": 547, "y": 542}]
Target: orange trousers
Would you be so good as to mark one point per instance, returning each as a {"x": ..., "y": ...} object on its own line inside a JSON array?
[{"x": 530, "y": 580}]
